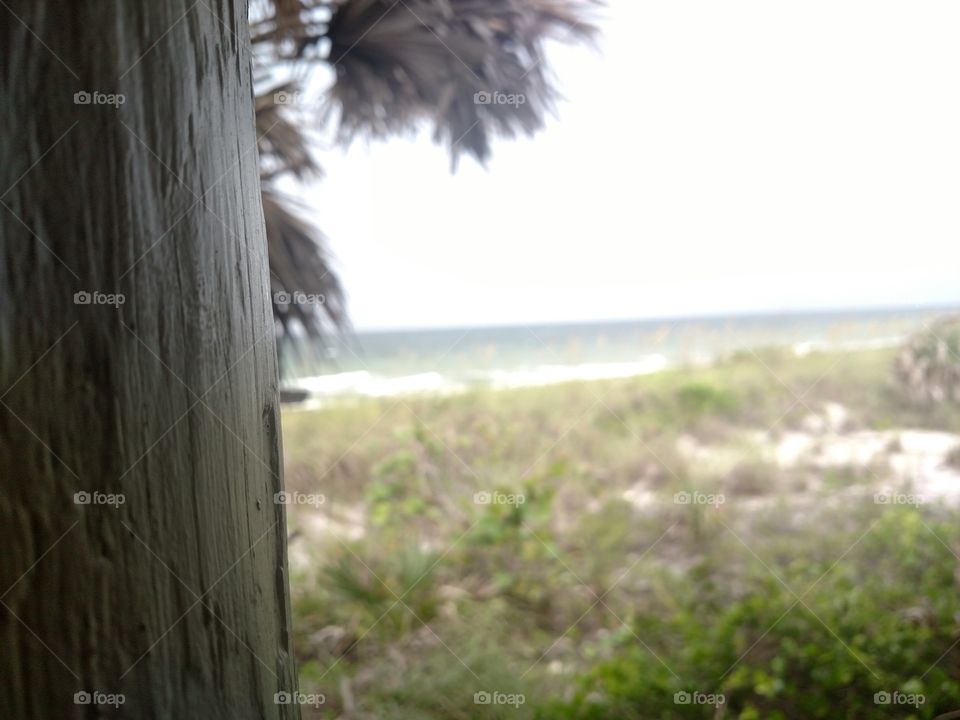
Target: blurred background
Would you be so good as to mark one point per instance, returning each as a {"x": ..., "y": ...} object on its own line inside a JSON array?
[{"x": 654, "y": 413}]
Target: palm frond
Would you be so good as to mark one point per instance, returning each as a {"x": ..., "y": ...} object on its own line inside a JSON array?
[
  {"x": 290, "y": 26},
  {"x": 282, "y": 140},
  {"x": 474, "y": 68},
  {"x": 306, "y": 289}
]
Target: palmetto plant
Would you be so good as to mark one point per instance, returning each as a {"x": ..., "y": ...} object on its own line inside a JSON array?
[
  {"x": 473, "y": 69},
  {"x": 929, "y": 365}
]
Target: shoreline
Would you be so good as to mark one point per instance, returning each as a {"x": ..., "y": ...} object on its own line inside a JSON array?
[{"x": 355, "y": 385}]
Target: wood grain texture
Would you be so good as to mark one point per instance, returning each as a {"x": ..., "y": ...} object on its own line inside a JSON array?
[{"x": 178, "y": 597}]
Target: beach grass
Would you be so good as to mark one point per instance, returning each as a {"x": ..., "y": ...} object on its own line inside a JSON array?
[{"x": 635, "y": 548}]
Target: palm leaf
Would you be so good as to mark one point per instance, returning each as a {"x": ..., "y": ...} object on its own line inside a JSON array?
[
  {"x": 454, "y": 63},
  {"x": 282, "y": 141},
  {"x": 398, "y": 64},
  {"x": 300, "y": 266}
]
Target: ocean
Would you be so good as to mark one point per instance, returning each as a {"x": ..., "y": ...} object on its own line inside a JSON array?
[{"x": 453, "y": 360}]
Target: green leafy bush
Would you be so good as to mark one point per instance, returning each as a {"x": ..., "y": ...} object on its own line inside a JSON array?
[
  {"x": 929, "y": 366},
  {"x": 883, "y": 619},
  {"x": 696, "y": 399}
]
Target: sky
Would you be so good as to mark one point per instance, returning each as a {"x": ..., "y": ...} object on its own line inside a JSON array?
[{"x": 708, "y": 158}]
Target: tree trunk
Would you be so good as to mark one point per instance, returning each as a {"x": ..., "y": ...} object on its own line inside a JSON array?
[{"x": 143, "y": 553}]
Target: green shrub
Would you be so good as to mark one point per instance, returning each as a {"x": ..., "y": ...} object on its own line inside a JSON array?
[
  {"x": 698, "y": 399},
  {"x": 879, "y": 620},
  {"x": 929, "y": 366}
]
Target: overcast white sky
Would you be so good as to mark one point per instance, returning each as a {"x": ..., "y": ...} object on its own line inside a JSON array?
[{"x": 713, "y": 157}]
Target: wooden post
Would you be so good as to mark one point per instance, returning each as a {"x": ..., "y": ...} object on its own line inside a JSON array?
[{"x": 143, "y": 553}]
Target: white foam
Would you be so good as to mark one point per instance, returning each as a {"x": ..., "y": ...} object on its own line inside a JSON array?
[
  {"x": 369, "y": 384},
  {"x": 365, "y": 383},
  {"x": 805, "y": 348},
  {"x": 554, "y": 374}
]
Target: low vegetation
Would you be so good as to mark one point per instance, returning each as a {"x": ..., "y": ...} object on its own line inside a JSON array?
[
  {"x": 929, "y": 366},
  {"x": 638, "y": 548}
]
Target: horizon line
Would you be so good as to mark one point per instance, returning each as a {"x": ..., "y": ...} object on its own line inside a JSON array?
[{"x": 793, "y": 312}]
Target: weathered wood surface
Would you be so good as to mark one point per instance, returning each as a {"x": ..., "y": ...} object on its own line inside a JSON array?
[{"x": 178, "y": 597}]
